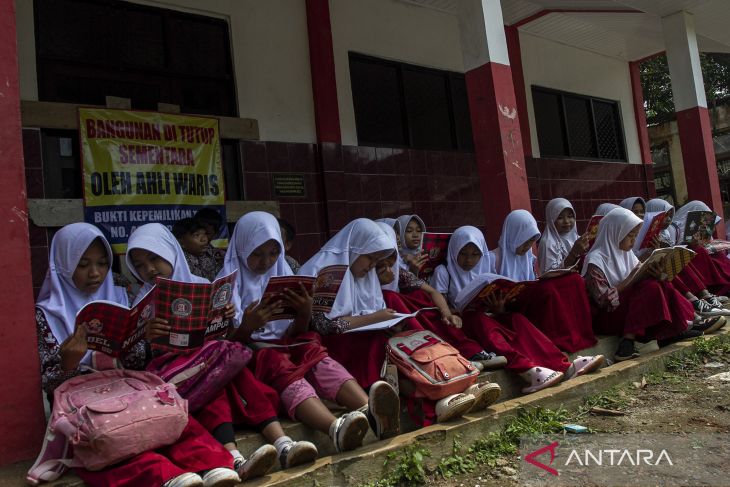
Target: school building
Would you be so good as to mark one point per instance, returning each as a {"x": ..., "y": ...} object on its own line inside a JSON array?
[{"x": 456, "y": 110}]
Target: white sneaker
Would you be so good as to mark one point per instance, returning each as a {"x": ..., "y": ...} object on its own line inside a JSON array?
[
  {"x": 453, "y": 406},
  {"x": 258, "y": 464},
  {"x": 348, "y": 431},
  {"x": 188, "y": 479},
  {"x": 220, "y": 477},
  {"x": 298, "y": 453},
  {"x": 485, "y": 394}
]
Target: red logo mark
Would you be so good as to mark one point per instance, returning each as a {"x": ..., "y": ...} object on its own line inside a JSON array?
[{"x": 551, "y": 448}]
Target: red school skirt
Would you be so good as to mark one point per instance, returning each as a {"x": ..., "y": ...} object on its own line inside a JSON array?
[{"x": 714, "y": 270}]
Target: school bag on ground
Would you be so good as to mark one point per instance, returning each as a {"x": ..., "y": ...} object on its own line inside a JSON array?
[
  {"x": 106, "y": 417},
  {"x": 435, "y": 368},
  {"x": 201, "y": 374}
]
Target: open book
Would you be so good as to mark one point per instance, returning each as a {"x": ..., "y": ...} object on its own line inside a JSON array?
[
  {"x": 275, "y": 290},
  {"x": 672, "y": 260},
  {"x": 652, "y": 230},
  {"x": 699, "y": 227},
  {"x": 592, "y": 229},
  {"x": 435, "y": 246},
  {"x": 474, "y": 296},
  {"x": 326, "y": 286},
  {"x": 382, "y": 325},
  {"x": 194, "y": 311},
  {"x": 558, "y": 272}
]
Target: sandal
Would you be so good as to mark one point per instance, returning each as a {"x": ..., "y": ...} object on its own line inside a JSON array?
[
  {"x": 540, "y": 378},
  {"x": 584, "y": 365},
  {"x": 485, "y": 394}
]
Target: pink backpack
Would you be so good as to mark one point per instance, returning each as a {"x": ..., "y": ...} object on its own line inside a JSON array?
[
  {"x": 107, "y": 417},
  {"x": 201, "y": 374}
]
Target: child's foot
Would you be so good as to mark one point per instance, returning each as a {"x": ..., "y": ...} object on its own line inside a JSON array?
[
  {"x": 709, "y": 325},
  {"x": 705, "y": 309},
  {"x": 348, "y": 430},
  {"x": 715, "y": 301},
  {"x": 485, "y": 394},
  {"x": 188, "y": 479},
  {"x": 383, "y": 410},
  {"x": 626, "y": 350},
  {"x": 584, "y": 365},
  {"x": 220, "y": 477},
  {"x": 540, "y": 378},
  {"x": 257, "y": 465},
  {"x": 298, "y": 453},
  {"x": 453, "y": 406},
  {"x": 489, "y": 360},
  {"x": 687, "y": 335}
]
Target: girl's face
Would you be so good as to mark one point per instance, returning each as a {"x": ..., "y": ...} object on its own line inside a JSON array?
[
  {"x": 522, "y": 249},
  {"x": 638, "y": 209},
  {"x": 468, "y": 257},
  {"x": 413, "y": 234},
  {"x": 149, "y": 265},
  {"x": 92, "y": 268},
  {"x": 264, "y": 257},
  {"x": 364, "y": 263},
  {"x": 627, "y": 243},
  {"x": 385, "y": 268},
  {"x": 194, "y": 242},
  {"x": 565, "y": 221}
]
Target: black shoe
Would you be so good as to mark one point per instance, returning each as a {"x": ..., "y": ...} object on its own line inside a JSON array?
[
  {"x": 687, "y": 335},
  {"x": 626, "y": 350},
  {"x": 709, "y": 325}
]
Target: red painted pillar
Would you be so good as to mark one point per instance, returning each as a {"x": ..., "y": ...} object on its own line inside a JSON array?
[
  {"x": 21, "y": 409},
  {"x": 693, "y": 120},
  {"x": 641, "y": 127},
  {"x": 514, "y": 50},
  {"x": 322, "y": 67},
  {"x": 494, "y": 113}
]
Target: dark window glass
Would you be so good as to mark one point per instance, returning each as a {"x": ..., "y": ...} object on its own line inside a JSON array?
[
  {"x": 663, "y": 181},
  {"x": 570, "y": 125},
  {"x": 398, "y": 104}
]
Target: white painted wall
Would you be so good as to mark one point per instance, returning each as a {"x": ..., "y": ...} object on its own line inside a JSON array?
[
  {"x": 552, "y": 65},
  {"x": 270, "y": 58},
  {"x": 391, "y": 30}
]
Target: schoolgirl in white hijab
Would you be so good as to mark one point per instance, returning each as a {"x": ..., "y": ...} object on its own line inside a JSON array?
[
  {"x": 555, "y": 247},
  {"x": 604, "y": 208},
  {"x": 408, "y": 254},
  {"x": 657, "y": 205},
  {"x": 616, "y": 264},
  {"x": 680, "y": 218},
  {"x": 356, "y": 296},
  {"x": 632, "y": 201},
  {"x": 59, "y": 298},
  {"x": 450, "y": 278},
  {"x": 519, "y": 227}
]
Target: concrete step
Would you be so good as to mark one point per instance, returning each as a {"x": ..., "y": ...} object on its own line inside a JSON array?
[{"x": 249, "y": 440}]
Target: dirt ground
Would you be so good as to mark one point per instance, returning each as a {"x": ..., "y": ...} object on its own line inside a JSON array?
[{"x": 679, "y": 402}]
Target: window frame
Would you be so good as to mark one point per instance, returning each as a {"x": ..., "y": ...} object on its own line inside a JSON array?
[{"x": 620, "y": 135}]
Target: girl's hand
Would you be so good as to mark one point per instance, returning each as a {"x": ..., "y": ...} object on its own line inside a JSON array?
[
  {"x": 655, "y": 270},
  {"x": 452, "y": 320},
  {"x": 300, "y": 300},
  {"x": 73, "y": 349},
  {"x": 656, "y": 242},
  {"x": 386, "y": 275},
  {"x": 256, "y": 314},
  {"x": 229, "y": 312},
  {"x": 156, "y": 328},
  {"x": 496, "y": 302},
  {"x": 384, "y": 314},
  {"x": 580, "y": 246}
]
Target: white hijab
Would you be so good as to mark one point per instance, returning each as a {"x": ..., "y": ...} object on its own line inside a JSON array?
[
  {"x": 403, "y": 222},
  {"x": 388, "y": 229},
  {"x": 680, "y": 217},
  {"x": 629, "y": 202},
  {"x": 388, "y": 221},
  {"x": 519, "y": 227},
  {"x": 59, "y": 298},
  {"x": 356, "y": 296},
  {"x": 616, "y": 264},
  {"x": 458, "y": 277},
  {"x": 604, "y": 208},
  {"x": 252, "y": 230},
  {"x": 156, "y": 238},
  {"x": 657, "y": 205},
  {"x": 554, "y": 247}
]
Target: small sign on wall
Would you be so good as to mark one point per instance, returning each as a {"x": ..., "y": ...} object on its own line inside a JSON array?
[{"x": 289, "y": 185}]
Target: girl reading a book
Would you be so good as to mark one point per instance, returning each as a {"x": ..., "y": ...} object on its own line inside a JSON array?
[
  {"x": 558, "y": 306},
  {"x": 634, "y": 204},
  {"x": 153, "y": 251},
  {"x": 560, "y": 245},
  {"x": 528, "y": 351},
  {"x": 648, "y": 309},
  {"x": 360, "y": 245},
  {"x": 79, "y": 263},
  {"x": 411, "y": 229},
  {"x": 289, "y": 357}
]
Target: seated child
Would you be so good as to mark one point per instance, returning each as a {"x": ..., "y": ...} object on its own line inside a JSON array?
[
  {"x": 153, "y": 251},
  {"x": 297, "y": 366},
  {"x": 634, "y": 204},
  {"x": 209, "y": 263},
  {"x": 80, "y": 259},
  {"x": 411, "y": 229},
  {"x": 288, "y": 235},
  {"x": 560, "y": 245}
]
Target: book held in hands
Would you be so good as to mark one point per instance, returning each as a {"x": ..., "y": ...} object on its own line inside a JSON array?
[{"x": 435, "y": 246}]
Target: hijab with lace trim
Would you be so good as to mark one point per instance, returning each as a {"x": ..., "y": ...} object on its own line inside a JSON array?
[
  {"x": 519, "y": 227},
  {"x": 356, "y": 296},
  {"x": 554, "y": 247},
  {"x": 616, "y": 264},
  {"x": 59, "y": 298}
]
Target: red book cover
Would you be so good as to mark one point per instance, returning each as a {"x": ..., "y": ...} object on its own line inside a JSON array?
[
  {"x": 193, "y": 310},
  {"x": 276, "y": 287},
  {"x": 112, "y": 328},
  {"x": 510, "y": 289},
  {"x": 655, "y": 228},
  {"x": 592, "y": 229},
  {"x": 326, "y": 286},
  {"x": 435, "y": 246}
]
